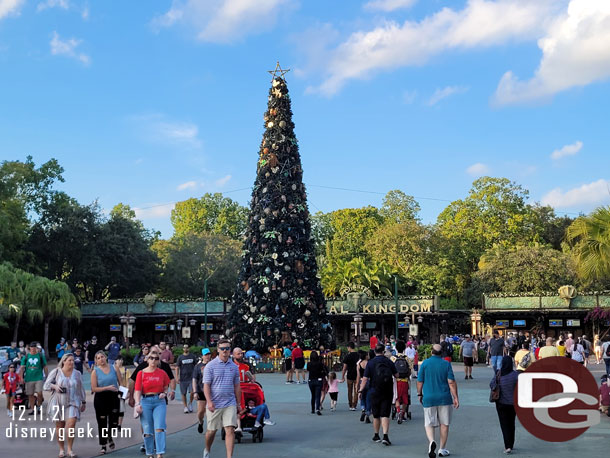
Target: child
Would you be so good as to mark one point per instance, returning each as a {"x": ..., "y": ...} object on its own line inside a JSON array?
[
  {"x": 604, "y": 395},
  {"x": 333, "y": 390},
  {"x": 11, "y": 381},
  {"x": 259, "y": 412}
]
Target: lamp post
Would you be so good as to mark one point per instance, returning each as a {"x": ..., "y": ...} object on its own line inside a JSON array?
[
  {"x": 205, "y": 311},
  {"x": 358, "y": 321},
  {"x": 396, "y": 304}
]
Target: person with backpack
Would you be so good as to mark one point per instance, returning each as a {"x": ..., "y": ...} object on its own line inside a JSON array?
[
  {"x": 446, "y": 348},
  {"x": 381, "y": 372},
  {"x": 403, "y": 397},
  {"x": 606, "y": 353},
  {"x": 524, "y": 357}
]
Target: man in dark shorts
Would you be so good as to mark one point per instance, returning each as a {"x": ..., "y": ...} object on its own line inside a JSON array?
[
  {"x": 198, "y": 386},
  {"x": 381, "y": 372},
  {"x": 350, "y": 367},
  {"x": 184, "y": 372},
  {"x": 298, "y": 361},
  {"x": 288, "y": 363},
  {"x": 467, "y": 349}
]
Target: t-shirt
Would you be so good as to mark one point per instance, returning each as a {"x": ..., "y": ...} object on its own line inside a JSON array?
[
  {"x": 162, "y": 365},
  {"x": 434, "y": 373},
  {"x": 297, "y": 353},
  {"x": 186, "y": 363},
  {"x": 604, "y": 391},
  {"x": 496, "y": 347},
  {"x": 467, "y": 348},
  {"x": 287, "y": 353},
  {"x": 33, "y": 367},
  {"x": 547, "y": 351},
  {"x": 12, "y": 353},
  {"x": 373, "y": 342},
  {"x": 152, "y": 382},
  {"x": 78, "y": 362},
  {"x": 113, "y": 351},
  {"x": 605, "y": 349},
  {"x": 222, "y": 378},
  {"x": 333, "y": 386},
  {"x": 60, "y": 349},
  {"x": 371, "y": 368},
  {"x": 561, "y": 349},
  {"x": 351, "y": 361},
  {"x": 167, "y": 356},
  {"x": 92, "y": 349},
  {"x": 198, "y": 376},
  {"x": 243, "y": 368},
  {"x": 569, "y": 344}
]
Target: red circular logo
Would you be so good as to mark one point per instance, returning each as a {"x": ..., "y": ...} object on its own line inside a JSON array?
[{"x": 557, "y": 399}]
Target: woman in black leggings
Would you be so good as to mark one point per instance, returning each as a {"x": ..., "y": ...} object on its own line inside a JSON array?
[
  {"x": 105, "y": 382},
  {"x": 317, "y": 375}
]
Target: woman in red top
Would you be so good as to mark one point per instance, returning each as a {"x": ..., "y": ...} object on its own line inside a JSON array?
[
  {"x": 11, "y": 381},
  {"x": 150, "y": 393}
]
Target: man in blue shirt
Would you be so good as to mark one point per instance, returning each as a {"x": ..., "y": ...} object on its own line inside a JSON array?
[
  {"x": 113, "y": 349},
  {"x": 437, "y": 391}
]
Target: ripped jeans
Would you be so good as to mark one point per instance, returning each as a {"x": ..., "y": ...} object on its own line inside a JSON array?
[
  {"x": 106, "y": 404},
  {"x": 153, "y": 424}
]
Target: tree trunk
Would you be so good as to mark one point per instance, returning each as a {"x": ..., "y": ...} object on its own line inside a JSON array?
[
  {"x": 46, "y": 338},
  {"x": 16, "y": 330}
]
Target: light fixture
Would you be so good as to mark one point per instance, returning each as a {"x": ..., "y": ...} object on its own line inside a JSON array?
[
  {"x": 123, "y": 319},
  {"x": 132, "y": 319},
  {"x": 192, "y": 321},
  {"x": 179, "y": 323}
]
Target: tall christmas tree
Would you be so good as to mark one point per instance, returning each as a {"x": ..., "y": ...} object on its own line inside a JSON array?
[{"x": 278, "y": 295}]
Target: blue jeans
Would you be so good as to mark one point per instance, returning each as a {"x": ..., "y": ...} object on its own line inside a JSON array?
[
  {"x": 315, "y": 386},
  {"x": 153, "y": 419},
  {"x": 365, "y": 401},
  {"x": 261, "y": 412},
  {"x": 496, "y": 362}
]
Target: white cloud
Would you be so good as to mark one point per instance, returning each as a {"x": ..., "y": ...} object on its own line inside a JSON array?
[
  {"x": 187, "y": 185},
  {"x": 575, "y": 52},
  {"x": 567, "y": 150},
  {"x": 408, "y": 97},
  {"x": 478, "y": 169},
  {"x": 222, "y": 181},
  {"x": 445, "y": 92},
  {"x": 154, "y": 211},
  {"x": 388, "y": 5},
  {"x": 10, "y": 7},
  {"x": 590, "y": 193},
  {"x": 67, "y": 48},
  {"x": 481, "y": 23},
  {"x": 63, "y": 4},
  {"x": 158, "y": 128},
  {"x": 85, "y": 13},
  {"x": 223, "y": 21}
]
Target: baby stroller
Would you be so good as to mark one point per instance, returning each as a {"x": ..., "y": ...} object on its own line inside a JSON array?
[
  {"x": 20, "y": 398},
  {"x": 250, "y": 391}
]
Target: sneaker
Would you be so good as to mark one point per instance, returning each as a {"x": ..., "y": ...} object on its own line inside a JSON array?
[
  {"x": 353, "y": 409},
  {"x": 470, "y": 377},
  {"x": 399, "y": 421},
  {"x": 432, "y": 450},
  {"x": 269, "y": 422},
  {"x": 386, "y": 440},
  {"x": 190, "y": 408},
  {"x": 318, "y": 412},
  {"x": 206, "y": 453},
  {"x": 465, "y": 377},
  {"x": 376, "y": 438},
  {"x": 368, "y": 419},
  {"x": 288, "y": 382},
  {"x": 443, "y": 452},
  {"x": 238, "y": 430},
  {"x": 409, "y": 415},
  {"x": 257, "y": 424},
  {"x": 142, "y": 448},
  {"x": 31, "y": 412},
  {"x": 186, "y": 410},
  {"x": 200, "y": 428},
  {"x": 362, "y": 416},
  {"x": 507, "y": 451}
]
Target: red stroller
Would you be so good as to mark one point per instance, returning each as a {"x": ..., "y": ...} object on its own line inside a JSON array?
[{"x": 249, "y": 391}]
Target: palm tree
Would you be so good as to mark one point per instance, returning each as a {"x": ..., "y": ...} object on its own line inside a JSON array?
[
  {"x": 51, "y": 299},
  {"x": 589, "y": 239},
  {"x": 11, "y": 293}
]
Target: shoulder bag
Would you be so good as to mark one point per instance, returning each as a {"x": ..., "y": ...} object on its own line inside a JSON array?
[{"x": 494, "y": 395}]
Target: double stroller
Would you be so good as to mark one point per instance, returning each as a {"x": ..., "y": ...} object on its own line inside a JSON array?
[{"x": 249, "y": 391}]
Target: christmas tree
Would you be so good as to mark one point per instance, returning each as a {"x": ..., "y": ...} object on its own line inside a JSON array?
[{"x": 278, "y": 296}]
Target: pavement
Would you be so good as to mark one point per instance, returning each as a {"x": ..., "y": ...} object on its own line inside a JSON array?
[{"x": 474, "y": 431}]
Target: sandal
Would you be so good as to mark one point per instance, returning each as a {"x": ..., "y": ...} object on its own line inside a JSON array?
[
  {"x": 111, "y": 445},
  {"x": 103, "y": 450},
  {"x": 62, "y": 454}
]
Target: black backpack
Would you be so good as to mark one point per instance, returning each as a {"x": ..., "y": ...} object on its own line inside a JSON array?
[
  {"x": 402, "y": 366},
  {"x": 383, "y": 382},
  {"x": 608, "y": 351}
]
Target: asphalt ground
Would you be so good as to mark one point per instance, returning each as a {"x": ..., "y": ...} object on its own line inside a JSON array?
[{"x": 474, "y": 432}]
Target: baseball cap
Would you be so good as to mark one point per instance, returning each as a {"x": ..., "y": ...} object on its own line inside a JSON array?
[
  {"x": 294, "y": 344},
  {"x": 205, "y": 351}
]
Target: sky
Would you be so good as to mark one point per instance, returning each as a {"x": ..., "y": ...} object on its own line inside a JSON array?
[{"x": 151, "y": 103}]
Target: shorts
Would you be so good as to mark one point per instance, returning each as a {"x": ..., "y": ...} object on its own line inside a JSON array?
[
  {"x": 299, "y": 363},
  {"x": 435, "y": 415},
  {"x": 221, "y": 418},
  {"x": 468, "y": 361},
  {"x": 333, "y": 396},
  {"x": 288, "y": 364},
  {"x": 33, "y": 387},
  {"x": 200, "y": 396},
  {"x": 381, "y": 406},
  {"x": 402, "y": 393},
  {"x": 186, "y": 387}
]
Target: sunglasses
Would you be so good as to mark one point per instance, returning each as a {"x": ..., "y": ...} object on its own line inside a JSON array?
[
  {"x": 156, "y": 358},
  {"x": 224, "y": 348}
]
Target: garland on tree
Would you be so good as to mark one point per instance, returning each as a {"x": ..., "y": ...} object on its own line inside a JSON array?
[{"x": 278, "y": 296}]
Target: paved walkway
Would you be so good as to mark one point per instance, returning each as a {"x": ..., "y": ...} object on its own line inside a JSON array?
[{"x": 298, "y": 434}]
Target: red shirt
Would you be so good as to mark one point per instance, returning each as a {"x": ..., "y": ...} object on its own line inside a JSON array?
[
  {"x": 243, "y": 368},
  {"x": 604, "y": 390},
  {"x": 536, "y": 353},
  {"x": 152, "y": 382},
  {"x": 297, "y": 353},
  {"x": 11, "y": 382},
  {"x": 373, "y": 342}
]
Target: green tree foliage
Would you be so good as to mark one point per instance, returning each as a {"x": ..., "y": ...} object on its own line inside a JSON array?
[
  {"x": 351, "y": 228},
  {"x": 210, "y": 214},
  {"x": 188, "y": 259},
  {"x": 342, "y": 277},
  {"x": 399, "y": 207},
  {"x": 588, "y": 238},
  {"x": 528, "y": 268},
  {"x": 322, "y": 234}
]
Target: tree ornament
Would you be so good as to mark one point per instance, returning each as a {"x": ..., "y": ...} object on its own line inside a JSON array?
[
  {"x": 270, "y": 124},
  {"x": 282, "y": 124}
]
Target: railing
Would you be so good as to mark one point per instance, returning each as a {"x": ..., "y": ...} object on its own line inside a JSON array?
[{"x": 268, "y": 364}]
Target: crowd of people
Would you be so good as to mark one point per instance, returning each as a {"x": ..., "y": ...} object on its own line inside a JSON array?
[{"x": 378, "y": 383}]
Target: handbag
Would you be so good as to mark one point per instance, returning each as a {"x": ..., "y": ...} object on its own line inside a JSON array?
[
  {"x": 53, "y": 403},
  {"x": 494, "y": 395}
]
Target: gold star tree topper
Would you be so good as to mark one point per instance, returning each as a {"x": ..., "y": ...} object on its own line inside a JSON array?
[{"x": 278, "y": 71}]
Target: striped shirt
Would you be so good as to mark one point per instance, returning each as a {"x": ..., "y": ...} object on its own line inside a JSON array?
[{"x": 222, "y": 378}]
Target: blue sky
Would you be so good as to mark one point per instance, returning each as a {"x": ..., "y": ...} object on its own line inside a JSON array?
[{"x": 150, "y": 103}]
